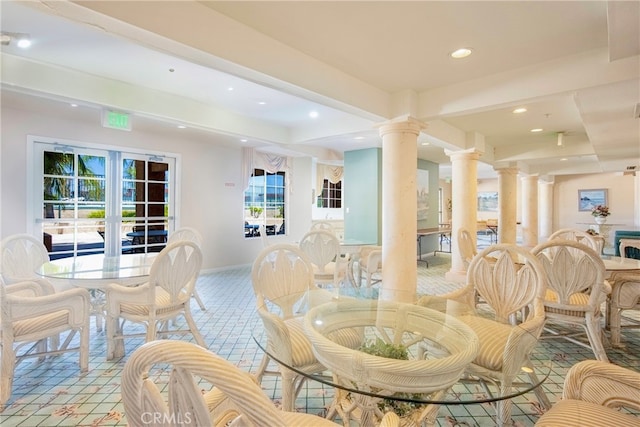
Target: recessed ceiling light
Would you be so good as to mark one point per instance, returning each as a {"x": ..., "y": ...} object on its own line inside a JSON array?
[
  {"x": 74, "y": 105},
  {"x": 313, "y": 114},
  {"x": 182, "y": 127},
  {"x": 261, "y": 102},
  {"x": 537, "y": 130},
  {"x": 229, "y": 88},
  {"x": 520, "y": 110},
  {"x": 460, "y": 53},
  {"x": 359, "y": 137},
  {"x": 24, "y": 42},
  {"x": 564, "y": 159},
  {"x": 243, "y": 140},
  {"x": 425, "y": 143}
]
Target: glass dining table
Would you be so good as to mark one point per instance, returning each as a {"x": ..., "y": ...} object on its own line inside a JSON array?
[
  {"x": 411, "y": 359},
  {"x": 94, "y": 271}
]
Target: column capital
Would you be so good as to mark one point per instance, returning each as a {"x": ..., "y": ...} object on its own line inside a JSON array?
[
  {"x": 470, "y": 154},
  {"x": 504, "y": 170},
  {"x": 401, "y": 124}
]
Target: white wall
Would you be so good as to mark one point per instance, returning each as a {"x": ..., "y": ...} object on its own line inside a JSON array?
[{"x": 208, "y": 177}]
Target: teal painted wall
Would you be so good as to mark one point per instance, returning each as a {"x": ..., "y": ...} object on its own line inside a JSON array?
[{"x": 363, "y": 195}]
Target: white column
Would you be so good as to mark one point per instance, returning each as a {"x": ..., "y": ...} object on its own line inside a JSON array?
[
  {"x": 508, "y": 204},
  {"x": 545, "y": 209},
  {"x": 464, "y": 198},
  {"x": 530, "y": 211},
  {"x": 399, "y": 208}
]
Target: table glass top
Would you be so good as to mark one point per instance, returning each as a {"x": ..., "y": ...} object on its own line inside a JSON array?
[
  {"x": 616, "y": 263},
  {"x": 433, "y": 338},
  {"x": 98, "y": 267}
]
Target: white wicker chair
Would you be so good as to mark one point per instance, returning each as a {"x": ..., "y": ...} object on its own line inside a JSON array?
[
  {"x": 323, "y": 225},
  {"x": 370, "y": 265},
  {"x": 576, "y": 289},
  {"x": 592, "y": 394},
  {"x": 466, "y": 247},
  {"x": 234, "y": 400},
  {"x": 166, "y": 295},
  {"x": 323, "y": 251},
  {"x": 32, "y": 317},
  {"x": 22, "y": 254},
  {"x": 191, "y": 235},
  {"x": 281, "y": 276},
  {"x": 510, "y": 281},
  {"x": 579, "y": 236}
]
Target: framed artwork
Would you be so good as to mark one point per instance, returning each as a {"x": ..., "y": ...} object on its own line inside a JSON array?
[
  {"x": 588, "y": 199},
  {"x": 423, "y": 194},
  {"x": 487, "y": 201}
]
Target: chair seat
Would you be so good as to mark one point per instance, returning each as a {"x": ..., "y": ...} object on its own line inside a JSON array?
[
  {"x": 163, "y": 299},
  {"x": 578, "y": 413},
  {"x": 44, "y": 323},
  {"x": 302, "y": 348},
  {"x": 493, "y": 338},
  {"x": 577, "y": 299}
]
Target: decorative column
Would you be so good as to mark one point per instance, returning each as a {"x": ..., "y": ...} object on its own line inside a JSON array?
[
  {"x": 545, "y": 209},
  {"x": 530, "y": 211},
  {"x": 399, "y": 207},
  {"x": 464, "y": 199},
  {"x": 508, "y": 204}
]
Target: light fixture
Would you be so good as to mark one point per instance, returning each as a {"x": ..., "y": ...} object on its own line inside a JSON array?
[
  {"x": 537, "y": 130},
  {"x": 358, "y": 137},
  {"x": 182, "y": 127},
  {"x": 313, "y": 114},
  {"x": 22, "y": 40},
  {"x": 460, "y": 53},
  {"x": 520, "y": 110},
  {"x": 560, "y": 138}
]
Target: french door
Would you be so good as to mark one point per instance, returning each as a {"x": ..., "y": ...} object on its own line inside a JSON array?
[{"x": 99, "y": 200}]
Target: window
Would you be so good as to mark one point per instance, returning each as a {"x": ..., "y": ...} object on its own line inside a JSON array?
[
  {"x": 331, "y": 196},
  {"x": 91, "y": 200},
  {"x": 264, "y": 203}
]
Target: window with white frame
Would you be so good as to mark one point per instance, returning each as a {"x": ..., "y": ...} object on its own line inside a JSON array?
[
  {"x": 331, "y": 196},
  {"x": 265, "y": 203},
  {"x": 91, "y": 199}
]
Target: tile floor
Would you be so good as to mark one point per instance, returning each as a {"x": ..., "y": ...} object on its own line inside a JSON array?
[{"x": 53, "y": 393}]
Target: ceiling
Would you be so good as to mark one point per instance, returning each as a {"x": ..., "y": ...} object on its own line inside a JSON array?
[{"x": 574, "y": 65}]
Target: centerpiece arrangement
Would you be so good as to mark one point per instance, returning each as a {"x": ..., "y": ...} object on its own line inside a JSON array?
[{"x": 600, "y": 213}]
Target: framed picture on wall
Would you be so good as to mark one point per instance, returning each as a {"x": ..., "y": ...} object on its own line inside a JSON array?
[
  {"x": 588, "y": 199},
  {"x": 423, "y": 194},
  {"x": 487, "y": 201}
]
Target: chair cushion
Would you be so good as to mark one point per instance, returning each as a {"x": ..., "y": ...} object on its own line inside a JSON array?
[
  {"x": 577, "y": 413},
  {"x": 46, "y": 322},
  {"x": 302, "y": 348},
  {"x": 163, "y": 299},
  {"x": 578, "y": 299},
  {"x": 493, "y": 338}
]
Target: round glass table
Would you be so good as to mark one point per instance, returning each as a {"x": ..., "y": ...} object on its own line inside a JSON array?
[
  {"x": 94, "y": 271},
  {"x": 409, "y": 359}
]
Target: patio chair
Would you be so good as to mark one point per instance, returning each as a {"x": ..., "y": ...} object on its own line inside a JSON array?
[
  {"x": 165, "y": 296},
  {"x": 281, "y": 277},
  {"x": 234, "y": 399},
  {"x": 625, "y": 295},
  {"x": 510, "y": 282},
  {"x": 370, "y": 265},
  {"x": 192, "y": 235},
  {"x": 22, "y": 255},
  {"x": 322, "y": 248},
  {"x": 576, "y": 289},
  {"x": 579, "y": 236},
  {"x": 32, "y": 317},
  {"x": 466, "y": 246},
  {"x": 592, "y": 395},
  {"x": 323, "y": 225}
]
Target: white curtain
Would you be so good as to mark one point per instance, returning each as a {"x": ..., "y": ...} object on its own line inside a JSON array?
[
  {"x": 331, "y": 173},
  {"x": 252, "y": 159}
]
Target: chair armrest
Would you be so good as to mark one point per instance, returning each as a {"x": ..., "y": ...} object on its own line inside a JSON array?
[
  {"x": 76, "y": 301},
  {"x": 117, "y": 294},
  {"x": 279, "y": 337},
  {"x": 31, "y": 288},
  {"x": 603, "y": 383}
]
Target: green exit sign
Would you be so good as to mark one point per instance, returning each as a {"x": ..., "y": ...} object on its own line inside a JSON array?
[{"x": 116, "y": 120}]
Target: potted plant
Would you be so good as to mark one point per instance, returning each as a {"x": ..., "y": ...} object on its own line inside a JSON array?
[{"x": 600, "y": 213}]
